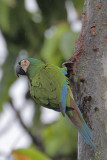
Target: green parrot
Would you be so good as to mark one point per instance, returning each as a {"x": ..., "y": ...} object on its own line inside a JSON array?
[{"x": 50, "y": 88}]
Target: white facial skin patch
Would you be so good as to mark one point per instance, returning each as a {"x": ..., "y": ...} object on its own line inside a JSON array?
[{"x": 25, "y": 64}]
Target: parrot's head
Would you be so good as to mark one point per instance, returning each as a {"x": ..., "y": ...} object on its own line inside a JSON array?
[{"x": 22, "y": 67}]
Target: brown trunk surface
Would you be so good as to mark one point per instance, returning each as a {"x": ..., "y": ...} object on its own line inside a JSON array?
[{"x": 89, "y": 80}]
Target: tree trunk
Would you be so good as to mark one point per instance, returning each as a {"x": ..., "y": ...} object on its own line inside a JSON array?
[{"x": 88, "y": 70}]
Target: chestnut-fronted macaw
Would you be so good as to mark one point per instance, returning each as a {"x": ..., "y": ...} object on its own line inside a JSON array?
[{"x": 50, "y": 88}]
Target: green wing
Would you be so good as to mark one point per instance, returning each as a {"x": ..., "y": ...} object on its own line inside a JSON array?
[{"x": 46, "y": 86}]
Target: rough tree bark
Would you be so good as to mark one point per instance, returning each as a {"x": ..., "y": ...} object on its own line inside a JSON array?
[{"x": 87, "y": 69}]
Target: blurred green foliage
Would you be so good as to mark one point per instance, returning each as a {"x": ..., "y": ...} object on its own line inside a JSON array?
[
  {"x": 59, "y": 47},
  {"x": 61, "y": 137},
  {"x": 50, "y": 39},
  {"x": 79, "y": 6}
]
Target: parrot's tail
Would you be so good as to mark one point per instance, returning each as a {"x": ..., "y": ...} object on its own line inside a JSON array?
[{"x": 77, "y": 119}]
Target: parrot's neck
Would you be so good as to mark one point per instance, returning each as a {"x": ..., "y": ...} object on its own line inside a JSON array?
[{"x": 34, "y": 68}]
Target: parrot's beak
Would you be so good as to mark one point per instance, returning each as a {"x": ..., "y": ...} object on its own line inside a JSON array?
[{"x": 19, "y": 70}]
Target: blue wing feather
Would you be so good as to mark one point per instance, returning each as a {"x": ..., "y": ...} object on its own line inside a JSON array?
[
  {"x": 64, "y": 72},
  {"x": 64, "y": 95}
]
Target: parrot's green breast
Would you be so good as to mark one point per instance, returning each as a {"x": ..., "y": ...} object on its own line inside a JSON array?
[{"x": 46, "y": 85}]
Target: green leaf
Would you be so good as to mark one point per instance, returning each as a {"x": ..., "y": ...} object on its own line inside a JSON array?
[
  {"x": 67, "y": 43},
  {"x": 60, "y": 46},
  {"x": 29, "y": 154},
  {"x": 50, "y": 52}
]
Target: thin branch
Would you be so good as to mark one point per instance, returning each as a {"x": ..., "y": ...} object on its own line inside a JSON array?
[{"x": 35, "y": 140}]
